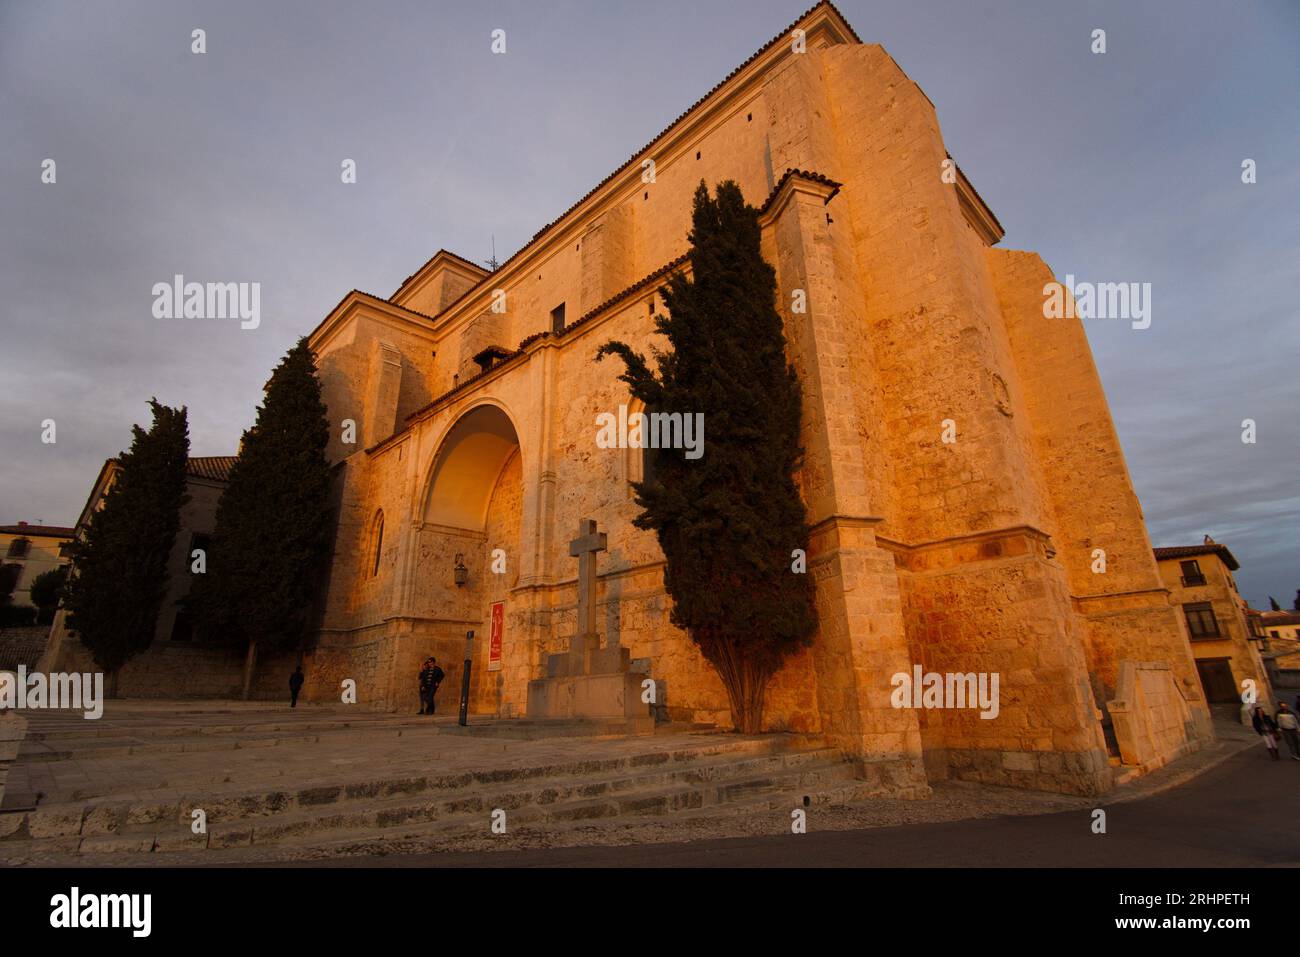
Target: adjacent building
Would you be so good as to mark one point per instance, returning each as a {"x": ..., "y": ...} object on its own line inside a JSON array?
[
  {"x": 34, "y": 549},
  {"x": 174, "y": 665},
  {"x": 1279, "y": 632},
  {"x": 1227, "y": 652}
]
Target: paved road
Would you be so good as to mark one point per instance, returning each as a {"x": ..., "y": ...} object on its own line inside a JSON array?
[{"x": 1244, "y": 813}]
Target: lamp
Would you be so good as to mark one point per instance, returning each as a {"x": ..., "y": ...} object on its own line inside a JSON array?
[{"x": 461, "y": 572}]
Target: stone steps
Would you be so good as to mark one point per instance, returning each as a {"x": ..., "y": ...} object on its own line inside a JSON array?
[
  {"x": 583, "y": 801},
  {"x": 427, "y": 826},
  {"x": 737, "y": 799},
  {"x": 444, "y": 809},
  {"x": 93, "y": 744}
]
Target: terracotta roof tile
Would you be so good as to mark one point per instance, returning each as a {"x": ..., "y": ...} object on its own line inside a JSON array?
[
  {"x": 215, "y": 467},
  {"x": 38, "y": 531},
  {"x": 1187, "y": 551}
]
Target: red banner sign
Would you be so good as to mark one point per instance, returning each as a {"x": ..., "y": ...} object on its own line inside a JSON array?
[{"x": 494, "y": 644}]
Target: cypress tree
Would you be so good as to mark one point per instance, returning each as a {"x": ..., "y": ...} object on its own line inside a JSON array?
[
  {"x": 46, "y": 592},
  {"x": 728, "y": 521},
  {"x": 272, "y": 533},
  {"x": 1272, "y": 604},
  {"x": 120, "y": 577}
]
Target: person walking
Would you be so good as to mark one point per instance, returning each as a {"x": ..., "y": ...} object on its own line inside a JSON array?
[
  {"x": 1266, "y": 728},
  {"x": 1290, "y": 728},
  {"x": 295, "y": 686}
]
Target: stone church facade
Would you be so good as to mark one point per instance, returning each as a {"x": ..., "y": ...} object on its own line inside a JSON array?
[{"x": 474, "y": 397}]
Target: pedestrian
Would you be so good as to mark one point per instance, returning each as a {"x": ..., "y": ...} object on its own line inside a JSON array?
[
  {"x": 1290, "y": 728},
  {"x": 435, "y": 677},
  {"x": 295, "y": 686},
  {"x": 1266, "y": 728},
  {"x": 426, "y": 684}
]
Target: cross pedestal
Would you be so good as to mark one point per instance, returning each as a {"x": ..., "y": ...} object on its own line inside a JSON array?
[
  {"x": 588, "y": 681},
  {"x": 585, "y": 640}
]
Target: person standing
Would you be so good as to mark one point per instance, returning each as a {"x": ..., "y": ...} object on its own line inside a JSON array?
[
  {"x": 295, "y": 686},
  {"x": 435, "y": 677},
  {"x": 1290, "y": 728},
  {"x": 1266, "y": 728},
  {"x": 426, "y": 687}
]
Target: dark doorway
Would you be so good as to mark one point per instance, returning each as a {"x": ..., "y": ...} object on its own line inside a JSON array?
[{"x": 1216, "y": 680}]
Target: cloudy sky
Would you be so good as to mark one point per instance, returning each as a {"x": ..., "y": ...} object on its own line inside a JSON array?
[{"x": 1124, "y": 166}]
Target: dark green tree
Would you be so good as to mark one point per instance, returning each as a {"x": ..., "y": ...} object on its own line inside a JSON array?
[
  {"x": 1295, "y": 605},
  {"x": 728, "y": 521},
  {"x": 47, "y": 590},
  {"x": 9, "y": 614},
  {"x": 9, "y": 574},
  {"x": 120, "y": 566},
  {"x": 1272, "y": 603},
  {"x": 272, "y": 536}
]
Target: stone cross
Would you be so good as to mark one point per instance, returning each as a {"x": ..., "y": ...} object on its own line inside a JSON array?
[{"x": 584, "y": 548}]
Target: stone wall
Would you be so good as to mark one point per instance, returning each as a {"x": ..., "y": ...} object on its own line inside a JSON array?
[
  {"x": 1153, "y": 719},
  {"x": 13, "y": 728},
  {"x": 22, "y": 646},
  {"x": 166, "y": 670}
]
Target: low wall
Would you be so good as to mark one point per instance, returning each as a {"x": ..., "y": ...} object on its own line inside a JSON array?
[
  {"x": 170, "y": 670},
  {"x": 22, "y": 646},
  {"x": 12, "y": 729},
  {"x": 1154, "y": 723}
]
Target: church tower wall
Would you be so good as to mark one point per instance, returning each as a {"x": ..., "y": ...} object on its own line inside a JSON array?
[
  {"x": 1124, "y": 604},
  {"x": 969, "y": 518}
]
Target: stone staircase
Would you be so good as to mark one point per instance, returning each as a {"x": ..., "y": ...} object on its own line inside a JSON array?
[{"x": 680, "y": 774}]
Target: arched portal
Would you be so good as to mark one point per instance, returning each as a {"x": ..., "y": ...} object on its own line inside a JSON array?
[
  {"x": 470, "y": 551},
  {"x": 469, "y": 462}
]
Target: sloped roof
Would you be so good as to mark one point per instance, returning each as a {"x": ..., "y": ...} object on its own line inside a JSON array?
[
  {"x": 1188, "y": 551},
  {"x": 215, "y": 467},
  {"x": 1275, "y": 618},
  {"x": 440, "y": 254},
  {"x": 38, "y": 531}
]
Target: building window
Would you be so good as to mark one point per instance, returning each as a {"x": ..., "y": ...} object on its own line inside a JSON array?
[
  {"x": 1191, "y": 574},
  {"x": 490, "y": 357},
  {"x": 642, "y": 462},
  {"x": 1201, "y": 621},
  {"x": 18, "y": 547},
  {"x": 557, "y": 319},
  {"x": 379, "y": 544}
]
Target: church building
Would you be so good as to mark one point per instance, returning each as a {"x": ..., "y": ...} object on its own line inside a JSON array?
[{"x": 970, "y": 505}]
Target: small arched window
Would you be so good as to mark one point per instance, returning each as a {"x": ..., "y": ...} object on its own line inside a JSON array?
[
  {"x": 378, "y": 546},
  {"x": 639, "y": 464}
]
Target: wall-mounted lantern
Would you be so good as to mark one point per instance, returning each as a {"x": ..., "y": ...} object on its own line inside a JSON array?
[{"x": 461, "y": 572}]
